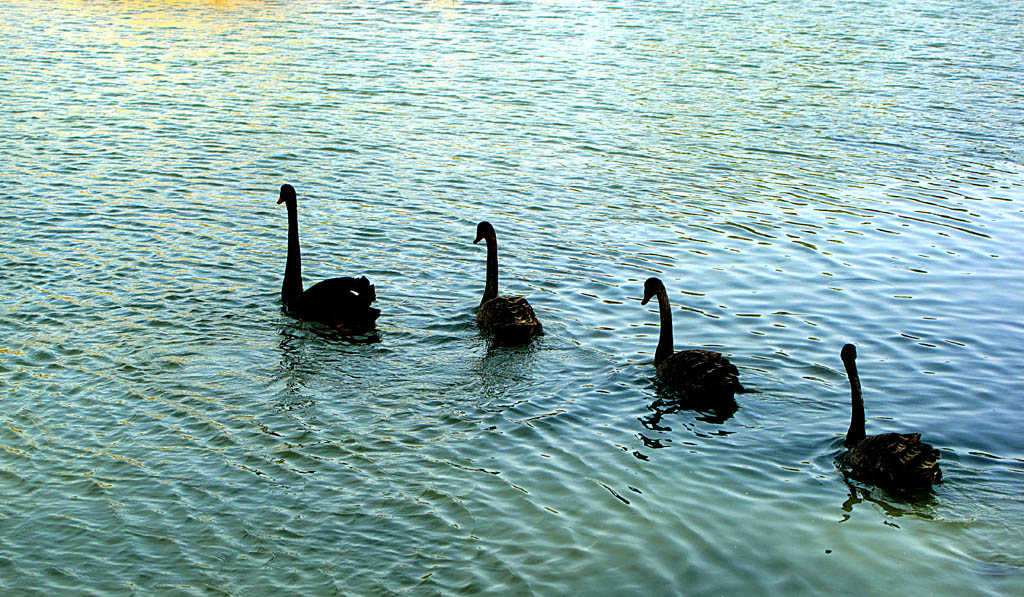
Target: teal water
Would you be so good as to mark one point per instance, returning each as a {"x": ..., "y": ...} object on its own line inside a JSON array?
[{"x": 801, "y": 175}]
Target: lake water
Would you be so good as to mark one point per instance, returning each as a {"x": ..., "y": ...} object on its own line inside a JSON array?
[{"x": 800, "y": 174}]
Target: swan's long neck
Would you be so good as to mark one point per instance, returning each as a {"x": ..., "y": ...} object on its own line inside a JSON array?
[
  {"x": 665, "y": 339},
  {"x": 291, "y": 288},
  {"x": 491, "y": 287},
  {"x": 856, "y": 431}
]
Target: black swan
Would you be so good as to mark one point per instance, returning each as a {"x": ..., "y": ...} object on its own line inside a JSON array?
[
  {"x": 701, "y": 374},
  {"x": 889, "y": 460},
  {"x": 510, "y": 319},
  {"x": 342, "y": 303}
]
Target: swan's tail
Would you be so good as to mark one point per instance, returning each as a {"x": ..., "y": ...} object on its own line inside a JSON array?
[
  {"x": 367, "y": 315},
  {"x": 515, "y": 333},
  {"x": 365, "y": 289}
]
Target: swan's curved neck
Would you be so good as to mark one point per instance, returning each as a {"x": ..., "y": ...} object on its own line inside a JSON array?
[
  {"x": 291, "y": 288},
  {"x": 491, "y": 287},
  {"x": 856, "y": 431},
  {"x": 665, "y": 338}
]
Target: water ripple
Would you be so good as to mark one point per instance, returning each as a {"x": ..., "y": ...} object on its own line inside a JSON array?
[{"x": 799, "y": 178}]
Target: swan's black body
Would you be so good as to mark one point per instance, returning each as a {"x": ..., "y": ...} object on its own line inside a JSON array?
[
  {"x": 342, "y": 303},
  {"x": 510, "y": 319},
  {"x": 890, "y": 460},
  {"x": 703, "y": 375}
]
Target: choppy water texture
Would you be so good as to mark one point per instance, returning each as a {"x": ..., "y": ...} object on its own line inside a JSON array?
[{"x": 801, "y": 175}]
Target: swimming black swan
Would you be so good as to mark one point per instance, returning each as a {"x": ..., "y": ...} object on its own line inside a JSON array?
[
  {"x": 890, "y": 460},
  {"x": 343, "y": 303},
  {"x": 509, "y": 318},
  {"x": 701, "y": 374}
]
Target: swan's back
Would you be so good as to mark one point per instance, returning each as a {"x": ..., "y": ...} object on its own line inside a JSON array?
[
  {"x": 893, "y": 460},
  {"x": 700, "y": 374},
  {"x": 339, "y": 302},
  {"x": 509, "y": 318}
]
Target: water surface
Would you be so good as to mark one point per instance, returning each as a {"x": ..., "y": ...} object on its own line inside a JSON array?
[{"x": 800, "y": 174}]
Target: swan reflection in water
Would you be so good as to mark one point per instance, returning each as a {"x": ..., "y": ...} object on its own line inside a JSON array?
[
  {"x": 503, "y": 375},
  {"x": 307, "y": 350},
  {"x": 894, "y": 505},
  {"x": 668, "y": 402}
]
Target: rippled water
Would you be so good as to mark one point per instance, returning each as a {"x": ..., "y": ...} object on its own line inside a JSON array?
[{"x": 801, "y": 175}]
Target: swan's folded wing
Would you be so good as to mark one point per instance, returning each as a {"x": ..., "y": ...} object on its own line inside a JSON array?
[
  {"x": 700, "y": 373},
  {"x": 346, "y": 291},
  {"x": 894, "y": 460},
  {"x": 510, "y": 318},
  {"x": 340, "y": 302}
]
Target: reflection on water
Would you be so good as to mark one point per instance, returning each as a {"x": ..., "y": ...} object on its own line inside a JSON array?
[
  {"x": 800, "y": 177},
  {"x": 894, "y": 506},
  {"x": 668, "y": 403}
]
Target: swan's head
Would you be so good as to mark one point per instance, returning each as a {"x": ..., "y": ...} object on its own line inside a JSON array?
[
  {"x": 287, "y": 194},
  {"x": 483, "y": 230},
  {"x": 849, "y": 353},
  {"x": 651, "y": 288}
]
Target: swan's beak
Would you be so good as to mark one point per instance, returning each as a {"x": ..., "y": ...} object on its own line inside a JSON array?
[
  {"x": 478, "y": 239},
  {"x": 647, "y": 299},
  {"x": 280, "y": 200}
]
